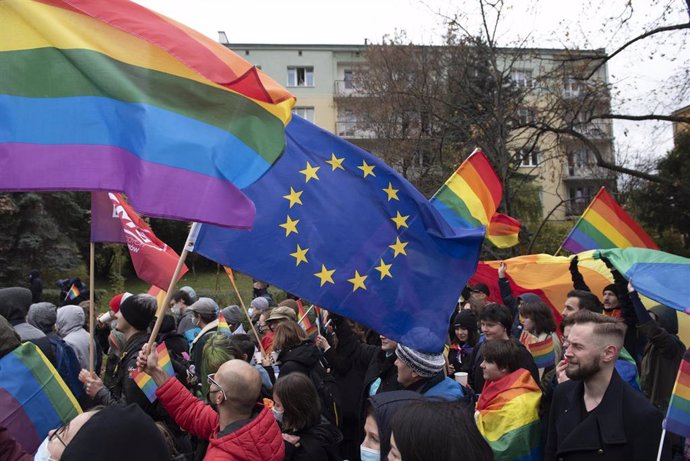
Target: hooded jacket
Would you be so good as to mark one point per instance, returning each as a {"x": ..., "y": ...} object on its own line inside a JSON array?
[
  {"x": 14, "y": 306},
  {"x": 258, "y": 440},
  {"x": 318, "y": 443},
  {"x": 69, "y": 326},
  {"x": 385, "y": 406},
  {"x": 302, "y": 358},
  {"x": 9, "y": 339}
]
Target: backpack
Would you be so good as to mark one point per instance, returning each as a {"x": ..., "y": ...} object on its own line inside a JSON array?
[
  {"x": 329, "y": 394},
  {"x": 66, "y": 364}
]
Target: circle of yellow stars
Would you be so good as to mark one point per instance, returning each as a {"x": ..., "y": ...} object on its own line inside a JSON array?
[{"x": 325, "y": 275}]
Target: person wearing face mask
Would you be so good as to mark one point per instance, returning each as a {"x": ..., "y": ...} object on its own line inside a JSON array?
[
  {"x": 179, "y": 305},
  {"x": 377, "y": 426},
  {"x": 307, "y": 434},
  {"x": 239, "y": 428},
  {"x": 205, "y": 312}
]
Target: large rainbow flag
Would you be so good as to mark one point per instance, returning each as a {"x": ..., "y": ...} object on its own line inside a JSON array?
[
  {"x": 470, "y": 197},
  {"x": 678, "y": 415},
  {"x": 507, "y": 415},
  {"x": 33, "y": 397},
  {"x": 112, "y": 96},
  {"x": 604, "y": 224}
]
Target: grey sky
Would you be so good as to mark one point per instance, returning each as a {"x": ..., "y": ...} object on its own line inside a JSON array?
[{"x": 640, "y": 81}]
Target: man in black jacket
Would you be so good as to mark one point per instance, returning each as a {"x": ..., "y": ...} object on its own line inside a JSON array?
[{"x": 595, "y": 414}]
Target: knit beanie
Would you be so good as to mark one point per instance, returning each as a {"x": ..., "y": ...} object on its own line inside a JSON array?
[
  {"x": 424, "y": 364},
  {"x": 466, "y": 319},
  {"x": 232, "y": 314},
  {"x": 139, "y": 310},
  {"x": 43, "y": 316},
  {"x": 117, "y": 433},
  {"x": 611, "y": 287},
  {"x": 260, "y": 303}
]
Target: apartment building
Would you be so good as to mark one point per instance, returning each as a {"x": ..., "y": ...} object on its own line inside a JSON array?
[{"x": 563, "y": 168}]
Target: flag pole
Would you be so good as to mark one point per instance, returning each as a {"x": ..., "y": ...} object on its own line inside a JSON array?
[
  {"x": 661, "y": 445},
  {"x": 580, "y": 219},
  {"x": 305, "y": 313},
  {"x": 92, "y": 284},
  {"x": 244, "y": 308},
  {"x": 189, "y": 246}
]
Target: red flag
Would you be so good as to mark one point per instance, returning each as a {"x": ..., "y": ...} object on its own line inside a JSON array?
[{"x": 153, "y": 260}]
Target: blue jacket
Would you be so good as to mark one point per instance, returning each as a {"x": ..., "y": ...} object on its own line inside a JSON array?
[{"x": 447, "y": 389}]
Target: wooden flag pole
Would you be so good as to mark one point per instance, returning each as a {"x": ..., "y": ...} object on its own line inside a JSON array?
[
  {"x": 244, "y": 308},
  {"x": 305, "y": 313},
  {"x": 92, "y": 284},
  {"x": 189, "y": 246}
]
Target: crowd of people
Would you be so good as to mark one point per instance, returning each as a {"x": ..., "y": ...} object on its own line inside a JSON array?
[{"x": 515, "y": 381}]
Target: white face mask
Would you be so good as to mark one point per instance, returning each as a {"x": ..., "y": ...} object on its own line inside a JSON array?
[
  {"x": 278, "y": 415},
  {"x": 368, "y": 454},
  {"x": 195, "y": 321},
  {"x": 250, "y": 312},
  {"x": 175, "y": 309},
  {"x": 42, "y": 454}
]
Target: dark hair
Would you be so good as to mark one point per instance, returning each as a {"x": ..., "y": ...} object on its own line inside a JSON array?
[
  {"x": 494, "y": 312},
  {"x": 288, "y": 334},
  {"x": 300, "y": 402},
  {"x": 587, "y": 300},
  {"x": 540, "y": 314},
  {"x": 245, "y": 344},
  {"x": 418, "y": 438},
  {"x": 183, "y": 296},
  {"x": 205, "y": 317},
  {"x": 503, "y": 352}
]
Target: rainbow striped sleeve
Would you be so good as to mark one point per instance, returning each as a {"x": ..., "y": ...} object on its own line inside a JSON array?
[
  {"x": 138, "y": 101},
  {"x": 33, "y": 397},
  {"x": 223, "y": 327},
  {"x": 605, "y": 224},
  {"x": 678, "y": 415},
  {"x": 507, "y": 416}
]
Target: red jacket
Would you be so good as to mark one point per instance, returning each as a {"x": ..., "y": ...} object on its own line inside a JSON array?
[{"x": 259, "y": 440}]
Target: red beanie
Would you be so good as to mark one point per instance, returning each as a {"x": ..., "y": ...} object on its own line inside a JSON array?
[{"x": 115, "y": 302}]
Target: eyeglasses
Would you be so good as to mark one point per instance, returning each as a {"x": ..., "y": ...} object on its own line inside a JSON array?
[
  {"x": 56, "y": 434},
  {"x": 212, "y": 381}
]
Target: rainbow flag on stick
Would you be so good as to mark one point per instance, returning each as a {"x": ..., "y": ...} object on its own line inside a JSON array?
[
  {"x": 137, "y": 101},
  {"x": 145, "y": 382},
  {"x": 223, "y": 327},
  {"x": 73, "y": 293},
  {"x": 507, "y": 415},
  {"x": 33, "y": 397},
  {"x": 604, "y": 224},
  {"x": 678, "y": 415},
  {"x": 470, "y": 197},
  {"x": 305, "y": 321}
]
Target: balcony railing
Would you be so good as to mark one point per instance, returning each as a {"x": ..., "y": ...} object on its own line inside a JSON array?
[
  {"x": 594, "y": 130},
  {"x": 348, "y": 129},
  {"x": 344, "y": 88}
]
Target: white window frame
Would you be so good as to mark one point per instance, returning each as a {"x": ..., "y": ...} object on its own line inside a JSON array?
[
  {"x": 306, "y": 112},
  {"x": 529, "y": 159},
  {"x": 300, "y": 76},
  {"x": 522, "y": 78}
]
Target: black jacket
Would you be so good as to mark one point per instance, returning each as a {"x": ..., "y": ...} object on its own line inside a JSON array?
[
  {"x": 302, "y": 358},
  {"x": 624, "y": 426},
  {"x": 318, "y": 443}
]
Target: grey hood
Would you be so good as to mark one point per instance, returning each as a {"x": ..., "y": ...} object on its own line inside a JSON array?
[{"x": 69, "y": 319}]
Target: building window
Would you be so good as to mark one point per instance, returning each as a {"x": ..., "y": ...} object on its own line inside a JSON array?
[
  {"x": 346, "y": 124},
  {"x": 525, "y": 116},
  {"x": 306, "y": 113},
  {"x": 522, "y": 78},
  {"x": 579, "y": 162},
  {"x": 348, "y": 79},
  {"x": 572, "y": 88},
  {"x": 579, "y": 199},
  {"x": 300, "y": 76},
  {"x": 529, "y": 158}
]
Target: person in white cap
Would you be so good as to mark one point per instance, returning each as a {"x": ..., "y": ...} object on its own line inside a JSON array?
[{"x": 424, "y": 373}]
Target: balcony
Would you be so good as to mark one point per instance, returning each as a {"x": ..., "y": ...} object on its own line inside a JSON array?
[
  {"x": 349, "y": 129},
  {"x": 595, "y": 130},
  {"x": 346, "y": 88}
]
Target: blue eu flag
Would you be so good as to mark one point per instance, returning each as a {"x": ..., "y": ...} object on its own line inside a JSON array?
[{"x": 340, "y": 228}]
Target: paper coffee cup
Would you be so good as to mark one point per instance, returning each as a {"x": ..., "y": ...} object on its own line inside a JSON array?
[
  {"x": 461, "y": 377},
  {"x": 105, "y": 318}
]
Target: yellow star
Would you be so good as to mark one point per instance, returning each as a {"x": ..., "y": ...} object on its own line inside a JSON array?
[
  {"x": 385, "y": 269},
  {"x": 392, "y": 193},
  {"x": 290, "y": 226},
  {"x": 336, "y": 162},
  {"x": 294, "y": 197},
  {"x": 358, "y": 281},
  {"x": 310, "y": 172},
  {"x": 300, "y": 255},
  {"x": 398, "y": 247},
  {"x": 400, "y": 221},
  {"x": 325, "y": 275},
  {"x": 367, "y": 169}
]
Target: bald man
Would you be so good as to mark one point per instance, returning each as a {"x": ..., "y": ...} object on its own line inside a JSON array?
[{"x": 233, "y": 393}]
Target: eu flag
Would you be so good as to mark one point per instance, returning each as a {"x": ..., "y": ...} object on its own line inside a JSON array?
[{"x": 337, "y": 226}]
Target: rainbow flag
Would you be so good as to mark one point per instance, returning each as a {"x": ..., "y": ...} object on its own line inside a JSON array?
[
  {"x": 145, "y": 382},
  {"x": 507, "y": 415},
  {"x": 73, "y": 293},
  {"x": 604, "y": 224},
  {"x": 678, "y": 415},
  {"x": 543, "y": 352},
  {"x": 33, "y": 397},
  {"x": 304, "y": 320},
  {"x": 223, "y": 327},
  {"x": 470, "y": 197},
  {"x": 139, "y": 101}
]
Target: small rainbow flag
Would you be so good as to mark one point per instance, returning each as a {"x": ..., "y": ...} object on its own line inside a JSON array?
[
  {"x": 604, "y": 224},
  {"x": 678, "y": 415},
  {"x": 304, "y": 320},
  {"x": 73, "y": 293},
  {"x": 223, "y": 327},
  {"x": 470, "y": 197},
  {"x": 542, "y": 351},
  {"x": 145, "y": 382},
  {"x": 33, "y": 397}
]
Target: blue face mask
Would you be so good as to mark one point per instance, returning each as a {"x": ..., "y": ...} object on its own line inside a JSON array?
[
  {"x": 367, "y": 454},
  {"x": 42, "y": 454}
]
